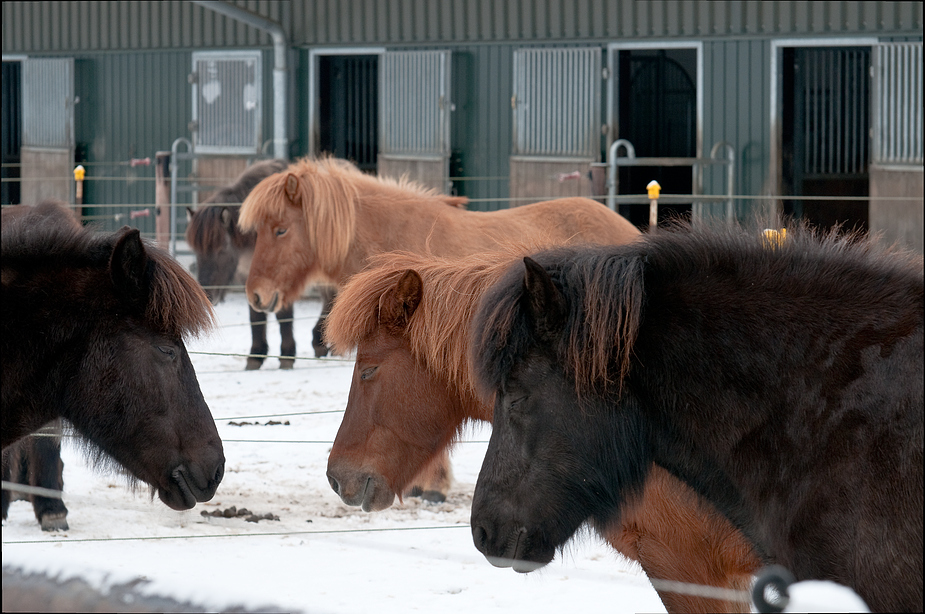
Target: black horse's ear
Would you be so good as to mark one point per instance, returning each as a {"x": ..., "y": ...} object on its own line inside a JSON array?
[
  {"x": 544, "y": 301},
  {"x": 293, "y": 191},
  {"x": 128, "y": 264},
  {"x": 400, "y": 304},
  {"x": 226, "y": 219},
  {"x": 189, "y": 214}
]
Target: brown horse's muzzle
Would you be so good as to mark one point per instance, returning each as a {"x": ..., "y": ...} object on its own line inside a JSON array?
[{"x": 365, "y": 489}]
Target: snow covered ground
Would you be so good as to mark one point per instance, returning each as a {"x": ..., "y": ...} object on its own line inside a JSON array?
[{"x": 321, "y": 555}]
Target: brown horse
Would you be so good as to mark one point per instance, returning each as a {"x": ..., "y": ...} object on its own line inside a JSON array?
[
  {"x": 324, "y": 219},
  {"x": 409, "y": 318}
]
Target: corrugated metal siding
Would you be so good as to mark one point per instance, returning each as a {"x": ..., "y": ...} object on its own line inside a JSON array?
[
  {"x": 736, "y": 81},
  {"x": 897, "y": 98},
  {"x": 62, "y": 26}
]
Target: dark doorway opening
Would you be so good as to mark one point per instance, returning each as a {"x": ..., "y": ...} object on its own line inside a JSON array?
[
  {"x": 349, "y": 108},
  {"x": 657, "y": 113},
  {"x": 10, "y": 193},
  {"x": 825, "y": 138}
]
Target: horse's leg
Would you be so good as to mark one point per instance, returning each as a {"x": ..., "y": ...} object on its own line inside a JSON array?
[
  {"x": 675, "y": 535},
  {"x": 433, "y": 482},
  {"x": 287, "y": 347},
  {"x": 327, "y": 297},
  {"x": 259, "y": 346},
  {"x": 10, "y": 458},
  {"x": 46, "y": 470}
]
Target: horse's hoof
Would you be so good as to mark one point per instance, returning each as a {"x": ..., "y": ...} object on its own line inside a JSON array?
[
  {"x": 433, "y": 496},
  {"x": 286, "y": 363},
  {"x": 253, "y": 364},
  {"x": 54, "y": 522},
  {"x": 416, "y": 491}
]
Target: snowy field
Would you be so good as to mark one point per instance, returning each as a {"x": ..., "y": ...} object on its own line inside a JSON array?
[{"x": 321, "y": 555}]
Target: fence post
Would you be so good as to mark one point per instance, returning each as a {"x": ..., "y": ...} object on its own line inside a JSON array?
[
  {"x": 162, "y": 198},
  {"x": 653, "y": 188}
]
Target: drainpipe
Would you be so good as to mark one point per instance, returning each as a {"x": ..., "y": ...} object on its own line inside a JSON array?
[{"x": 280, "y": 141}]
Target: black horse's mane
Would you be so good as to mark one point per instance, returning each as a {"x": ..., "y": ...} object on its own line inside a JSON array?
[
  {"x": 605, "y": 288},
  {"x": 45, "y": 240},
  {"x": 206, "y": 228}
]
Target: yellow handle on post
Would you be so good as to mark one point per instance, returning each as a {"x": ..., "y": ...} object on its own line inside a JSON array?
[
  {"x": 79, "y": 173},
  {"x": 775, "y": 238},
  {"x": 654, "y": 188}
]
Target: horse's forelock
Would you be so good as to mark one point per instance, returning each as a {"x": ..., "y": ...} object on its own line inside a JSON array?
[
  {"x": 177, "y": 304},
  {"x": 206, "y": 231}
]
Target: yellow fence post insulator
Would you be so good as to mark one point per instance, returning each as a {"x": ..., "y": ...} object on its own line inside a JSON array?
[
  {"x": 775, "y": 238},
  {"x": 654, "y": 188}
]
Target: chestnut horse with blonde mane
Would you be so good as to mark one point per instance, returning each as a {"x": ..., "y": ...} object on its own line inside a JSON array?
[
  {"x": 409, "y": 316},
  {"x": 323, "y": 219}
]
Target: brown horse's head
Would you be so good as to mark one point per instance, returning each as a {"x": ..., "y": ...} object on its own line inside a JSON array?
[
  {"x": 408, "y": 316},
  {"x": 305, "y": 221}
]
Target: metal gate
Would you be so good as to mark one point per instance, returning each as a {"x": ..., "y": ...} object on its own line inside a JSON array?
[
  {"x": 897, "y": 103},
  {"x": 557, "y": 102},
  {"x": 414, "y": 116},
  {"x": 47, "y": 129},
  {"x": 227, "y": 92},
  {"x": 556, "y": 107}
]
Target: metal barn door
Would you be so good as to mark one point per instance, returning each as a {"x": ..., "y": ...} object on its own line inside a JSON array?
[
  {"x": 556, "y": 122},
  {"x": 826, "y": 140},
  {"x": 348, "y": 108},
  {"x": 227, "y": 92},
  {"x": 47, "y": 129},
  {"x": 414, "y": 116}
]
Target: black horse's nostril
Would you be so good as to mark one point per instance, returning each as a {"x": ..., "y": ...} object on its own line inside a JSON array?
[
  {"x": 334, "y": 485},
  {"x": 219, "y": 474},
  {"x": 480, "y": 537}
]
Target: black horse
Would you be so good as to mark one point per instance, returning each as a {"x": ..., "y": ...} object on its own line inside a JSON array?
[
  {"x": 223, "y": 257},
  {"x": 93, "y": 328},
  {"x": 784, "y": 383}
]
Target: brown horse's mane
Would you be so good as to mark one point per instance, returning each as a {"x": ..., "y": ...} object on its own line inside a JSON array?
[
  {"x": 176, "y": 305},
  {"x": 206, "y": 230},
  {"x": 329, "y": 190},
  {"x": 606, "y": 291},
  {"x": 438, "y": 331}
]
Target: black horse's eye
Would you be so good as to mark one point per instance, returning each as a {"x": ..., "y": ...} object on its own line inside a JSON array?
[
  {"x": 169, "y": 351},
  {"x": 514, "y": 404},
  {"x": 280, "y": 232},
  {"x": 368, "y": 373}
]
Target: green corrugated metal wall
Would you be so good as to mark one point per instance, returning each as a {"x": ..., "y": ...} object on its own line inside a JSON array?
[
  {"x": 133, "y": 59},
  {"x": 82, "y": 26}
]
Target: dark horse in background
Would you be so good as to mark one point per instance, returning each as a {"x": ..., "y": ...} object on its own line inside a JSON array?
[
  {"x": 93, "y": 327},
  {"x": 223, "y": 257},
  {"x": 784, "y": 383}
]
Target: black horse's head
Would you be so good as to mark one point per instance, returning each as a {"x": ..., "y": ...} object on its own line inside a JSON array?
[
  {"x": 93, "y": 332},
  {"x": 551, "y": 463},
  {"x": 222, "y": 253}
]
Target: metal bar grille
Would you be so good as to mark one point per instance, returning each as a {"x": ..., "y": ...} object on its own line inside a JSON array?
[
  {"x": 897, "y": 94},
  {"x": 557, "y": 97},
  {"x": 836, "y": 96},
  {"x": 48, "y": 97},
  {"x": 227, "y": 102},
  {"x": 414, "y": 91}
]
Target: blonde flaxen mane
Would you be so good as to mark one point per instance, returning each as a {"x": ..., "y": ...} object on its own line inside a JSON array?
[
  {"x": 329, "y": 191},
  {"x": 439, "y": 329}
]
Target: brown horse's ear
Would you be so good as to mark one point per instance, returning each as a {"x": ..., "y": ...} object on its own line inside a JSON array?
[
  {"x": 400, "y": 304},
  {"x": 293, "y": 193},
  {"x": 544, "y": 301},
  {"x": 128, "y": 264}
]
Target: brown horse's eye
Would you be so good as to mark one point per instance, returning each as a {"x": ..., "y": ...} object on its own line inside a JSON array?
[
  {"x": 280, "y": 232},
  {"x": 368, "y": 373}
]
